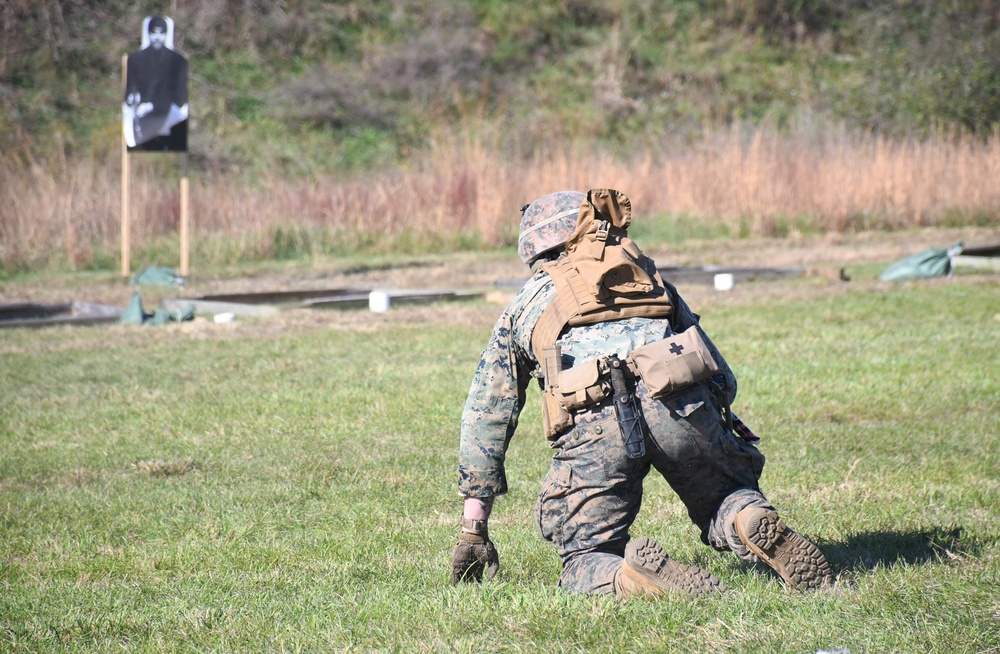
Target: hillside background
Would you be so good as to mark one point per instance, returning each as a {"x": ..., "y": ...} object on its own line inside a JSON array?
[
  {"x": 325, "y": 92},
  {"x": 333, "y": 85}
]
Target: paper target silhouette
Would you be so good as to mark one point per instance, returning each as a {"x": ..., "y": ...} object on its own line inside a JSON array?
[{"x": 155, "y": 106}]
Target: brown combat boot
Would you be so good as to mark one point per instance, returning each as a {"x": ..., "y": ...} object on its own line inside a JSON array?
[
  {"x": 648, "y": 570},
  {"x": 796, "y": 560}
]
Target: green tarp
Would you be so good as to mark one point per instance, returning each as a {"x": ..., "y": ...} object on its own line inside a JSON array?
[
  {"x": 135, "y": 315},
  {"x": 935, "y": 262},
  {"x": 158, "y": 276}
]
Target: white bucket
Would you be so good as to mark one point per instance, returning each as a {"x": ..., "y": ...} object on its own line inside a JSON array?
[
  {"x": 724, "y": 282},
  {"x": 378, "y": 301}
]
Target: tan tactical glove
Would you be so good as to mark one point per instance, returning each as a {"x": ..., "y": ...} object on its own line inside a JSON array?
[{"x": 474, "y": 553}]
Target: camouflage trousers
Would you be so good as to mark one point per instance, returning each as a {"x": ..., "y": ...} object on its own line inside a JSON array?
[{"x": 593, "y": 490}]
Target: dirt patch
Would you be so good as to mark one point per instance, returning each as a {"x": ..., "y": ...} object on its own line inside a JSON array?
[{"x": 481, "y": 272}]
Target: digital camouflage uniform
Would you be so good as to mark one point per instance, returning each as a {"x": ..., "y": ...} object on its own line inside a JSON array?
[{"x": 592, "y": 493}]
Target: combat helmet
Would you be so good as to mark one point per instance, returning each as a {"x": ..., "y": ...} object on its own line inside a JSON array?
[{"x": 547, "y": 223}]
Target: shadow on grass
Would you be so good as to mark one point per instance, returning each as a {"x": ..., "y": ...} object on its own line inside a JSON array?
[{"x": 873, "y": 549}]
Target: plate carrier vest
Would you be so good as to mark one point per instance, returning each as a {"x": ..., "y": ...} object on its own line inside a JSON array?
[{"x": 602, "y": 275}]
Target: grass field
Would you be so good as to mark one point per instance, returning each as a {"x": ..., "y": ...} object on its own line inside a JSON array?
[{"x": 289, "y": 484}]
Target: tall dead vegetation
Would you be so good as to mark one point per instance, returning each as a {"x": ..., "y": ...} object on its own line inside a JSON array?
[{"x": 66, "y": 212}]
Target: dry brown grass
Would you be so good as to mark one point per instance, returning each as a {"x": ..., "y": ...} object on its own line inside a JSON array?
[{"x": 66, "y": 211}]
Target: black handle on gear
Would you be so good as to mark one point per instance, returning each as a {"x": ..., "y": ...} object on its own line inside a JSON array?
[{"x": 627, "y": 411}]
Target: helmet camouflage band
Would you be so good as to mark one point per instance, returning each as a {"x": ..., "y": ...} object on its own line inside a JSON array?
[{"x": 547, "y": 223}]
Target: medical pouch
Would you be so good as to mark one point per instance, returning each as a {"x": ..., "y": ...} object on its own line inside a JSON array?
[{"x": 674, "y": 363}]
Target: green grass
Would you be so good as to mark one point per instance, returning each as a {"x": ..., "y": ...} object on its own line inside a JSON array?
[{"x": 293, "y": 489}]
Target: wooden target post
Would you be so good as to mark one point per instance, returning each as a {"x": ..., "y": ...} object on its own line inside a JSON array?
[
  {"x": 126, "y": 200},
  {"x": 185, "y": 237}
]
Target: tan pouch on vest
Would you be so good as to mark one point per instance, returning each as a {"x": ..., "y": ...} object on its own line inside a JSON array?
[
  {"x": 555, "y": 419},
  {"x": 673, "y": 363},
  {"x": 612, "y": 270},
  {"x": 581, "y": 386}
]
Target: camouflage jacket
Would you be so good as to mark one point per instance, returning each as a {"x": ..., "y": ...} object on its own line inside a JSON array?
[{"x": 507, "y": 365}]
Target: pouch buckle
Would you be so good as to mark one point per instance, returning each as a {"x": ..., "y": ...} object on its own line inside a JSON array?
[{"x": 602, "y": 231}]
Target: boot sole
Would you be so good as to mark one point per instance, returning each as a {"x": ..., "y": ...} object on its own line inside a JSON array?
[
  {"x": 795, "y": 559},
  {"x": 648, "y": 558}
]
